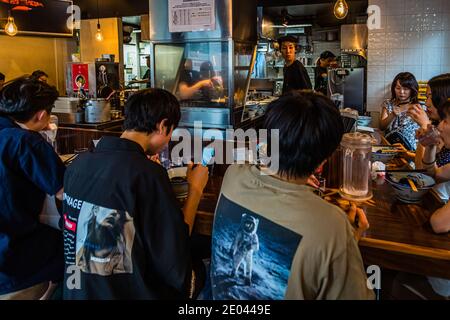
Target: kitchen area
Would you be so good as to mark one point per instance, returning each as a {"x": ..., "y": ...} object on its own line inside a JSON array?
[{"x": 250, "y": 78}]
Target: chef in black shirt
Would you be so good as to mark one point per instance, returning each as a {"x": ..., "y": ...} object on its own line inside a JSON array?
[
  {"x": 295, "y": 74},
  {"x": 326, "y": 59}
]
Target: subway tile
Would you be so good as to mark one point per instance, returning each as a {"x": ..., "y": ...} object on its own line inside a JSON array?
[
  {"x": 445, "y": 68},
  {"x": 415, "y": 69},
  {"x": 395, "y": 7},
  {"x": 387, "y": 89},
  {"x": 413, "y": 56},
  {"x": 391, "y": 72},
  {"x": 446, "y": 7},
  {"x": 432, "y": 39},
  {"x": 395, "y": 23},
  {"x": 446, "y": 39},
  {"x": 394, "y": 40},
  {"x": 445, "y": 56},
  {"x": 432, "y": 6},
  {"x": 380, "y": 3},
  {"x": 375, "y": 73},
  {"x": 376, "y": 40},
  {"x": 431, "y": 57},
  {"x": 429, "y": 72},
  {"x": 394, "y": 57},
  {"x": 432, "y": 22},
  {"x": 377, "y": 57},
  {"x": 413, "y": 6},
  {"x": 446, "y": 21},
  {"x": 414, "y": 23},
  {"x": 375, "y": 89},
  {"x": 412, "y": 40}
]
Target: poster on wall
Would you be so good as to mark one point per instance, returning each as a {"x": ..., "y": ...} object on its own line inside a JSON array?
[
  {"x": 39, "y": 17},
  {"x": 191, "y": 15}
]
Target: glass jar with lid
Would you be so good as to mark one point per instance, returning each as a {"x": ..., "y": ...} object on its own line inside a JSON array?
[{"x": 356, "y": 149}]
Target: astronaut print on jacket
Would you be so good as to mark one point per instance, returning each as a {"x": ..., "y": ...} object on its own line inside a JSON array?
[{"x": 251, "y": 255}]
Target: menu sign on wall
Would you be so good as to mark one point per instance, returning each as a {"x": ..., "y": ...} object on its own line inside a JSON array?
[{"x": 191, "y": 15}]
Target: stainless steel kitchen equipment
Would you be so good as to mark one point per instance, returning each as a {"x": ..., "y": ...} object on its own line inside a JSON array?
[
  {"x": 224, "y": 54},
  {"x": 349, "y": 82},
  {"x": 97, "y": 111}
]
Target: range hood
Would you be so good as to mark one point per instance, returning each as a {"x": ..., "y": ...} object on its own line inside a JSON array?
[{"x": 354, "y": 38}]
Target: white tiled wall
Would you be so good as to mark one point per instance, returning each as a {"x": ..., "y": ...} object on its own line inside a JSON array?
[{"x": 414, "y": 36}]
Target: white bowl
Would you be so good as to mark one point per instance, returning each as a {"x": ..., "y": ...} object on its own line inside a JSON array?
[{"x": 403, "y": 190}]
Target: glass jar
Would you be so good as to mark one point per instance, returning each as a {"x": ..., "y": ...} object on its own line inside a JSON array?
[{"x": 356, "y": 149}]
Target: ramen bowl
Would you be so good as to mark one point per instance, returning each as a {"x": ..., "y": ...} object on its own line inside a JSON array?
[{"x": 402, "y": 188}]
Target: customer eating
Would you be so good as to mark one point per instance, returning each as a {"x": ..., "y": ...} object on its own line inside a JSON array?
[{"x": 31, "y": 253}]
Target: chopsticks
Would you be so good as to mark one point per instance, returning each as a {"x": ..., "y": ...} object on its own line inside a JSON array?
[
  {"x": 413, "y": 186},
  {"x": 70, "y": 158}
]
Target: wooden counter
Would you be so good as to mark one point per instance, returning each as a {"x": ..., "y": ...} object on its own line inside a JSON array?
[{"x": 399, "y": 238}]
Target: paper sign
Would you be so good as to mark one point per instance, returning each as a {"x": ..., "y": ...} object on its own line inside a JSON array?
[{"x": 191, "y": 15}]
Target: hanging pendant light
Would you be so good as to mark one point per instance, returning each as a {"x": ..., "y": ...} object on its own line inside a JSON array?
[
  {"x": 98, "y": 34},
  {"x": 10, "y": 27},
  {"x": 340, "y": 9}
]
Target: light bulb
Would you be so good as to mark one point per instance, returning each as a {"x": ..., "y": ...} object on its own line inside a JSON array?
[
  {"x": 340, "y": 9},
  {"x": 10, "y": 27},
  {"x": 99, "y": 34}
]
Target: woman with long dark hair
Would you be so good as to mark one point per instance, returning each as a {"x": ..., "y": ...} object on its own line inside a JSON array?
[
  {"x": 438, "y": 92},
  {"x": 398, "y": 125}
]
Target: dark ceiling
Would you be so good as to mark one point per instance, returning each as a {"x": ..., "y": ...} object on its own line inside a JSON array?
[
  {"x": 320, "y": 14},
  {"x": 123, "y": 8}
]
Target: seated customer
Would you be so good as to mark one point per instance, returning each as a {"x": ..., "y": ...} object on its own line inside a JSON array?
[
  {"x": 438, "y": 91},
  {"x": 125, "y": 234},
  {"x": 409, "y": 286},
  {"x": 31, "y": 254},
  {"x": 273, "y": 237},
  {"x": 398, "y": 125}
]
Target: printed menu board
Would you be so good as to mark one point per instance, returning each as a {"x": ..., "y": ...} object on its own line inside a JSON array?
[{"x": 191, "y": 15}]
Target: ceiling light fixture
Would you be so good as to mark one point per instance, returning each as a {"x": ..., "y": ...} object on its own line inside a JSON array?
[
  {"x": 340, "y": 9},
  {"x": 10, "y": 26},
  {"x": 98, "y": 34}
]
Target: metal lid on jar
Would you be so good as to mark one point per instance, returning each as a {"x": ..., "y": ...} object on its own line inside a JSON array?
[{"x": 356, "y": 139}]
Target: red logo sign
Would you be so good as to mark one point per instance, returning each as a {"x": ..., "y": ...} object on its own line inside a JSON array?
[{"x": 69, "y": 225}]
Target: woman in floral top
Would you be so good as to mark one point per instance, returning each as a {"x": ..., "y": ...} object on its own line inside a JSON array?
[{"x": 398, "y": 125}]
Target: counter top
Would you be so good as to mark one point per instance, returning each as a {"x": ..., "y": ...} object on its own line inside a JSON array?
[
  {"x": 96, "y": 126},
  {"x": 399, "y": 238}
]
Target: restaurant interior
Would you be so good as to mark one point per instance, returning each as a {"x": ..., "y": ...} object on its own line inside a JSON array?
[{"x": 99, "y": 53}]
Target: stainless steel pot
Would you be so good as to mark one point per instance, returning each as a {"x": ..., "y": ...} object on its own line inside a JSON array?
[{"x": 97, "y": 110}]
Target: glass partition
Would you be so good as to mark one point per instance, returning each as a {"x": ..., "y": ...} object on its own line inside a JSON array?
[{"x": 197, "y": 72}]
